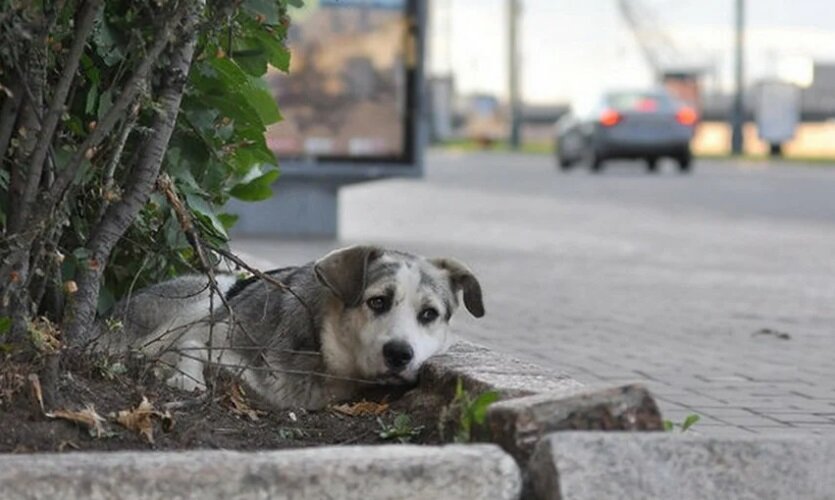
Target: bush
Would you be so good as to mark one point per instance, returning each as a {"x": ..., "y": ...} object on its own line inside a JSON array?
[{"x": 98, "y": 99}]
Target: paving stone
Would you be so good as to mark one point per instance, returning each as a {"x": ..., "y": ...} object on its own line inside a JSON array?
[
  {"x": 361, "y": 472},
  {"x": 663, "y": 466}
]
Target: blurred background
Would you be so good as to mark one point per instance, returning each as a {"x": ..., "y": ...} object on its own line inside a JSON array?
[
  {"x": 558, "y": 132},
  {"x": 572, "y": 50}
]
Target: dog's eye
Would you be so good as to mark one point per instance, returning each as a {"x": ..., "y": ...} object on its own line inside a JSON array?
[
  {"x": 428, "y": 315},
  {"x": 378, "y": 304}
]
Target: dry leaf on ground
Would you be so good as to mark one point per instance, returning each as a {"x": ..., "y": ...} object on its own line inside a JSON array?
[
  {"x": 139, "y": 419},
  {"x": 88, "y": 417},
  {"x": 236, "y": 401},
  {"x": 361, "y": 408}
]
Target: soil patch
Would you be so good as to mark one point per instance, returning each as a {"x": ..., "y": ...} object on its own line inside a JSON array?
[{"x": 224, "y": 418}]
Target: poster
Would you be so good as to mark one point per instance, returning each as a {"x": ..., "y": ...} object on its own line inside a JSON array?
[{"x": 347, "y": 93}]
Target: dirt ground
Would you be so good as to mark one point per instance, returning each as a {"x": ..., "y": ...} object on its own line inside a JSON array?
[{"x": 88, "y": 417}]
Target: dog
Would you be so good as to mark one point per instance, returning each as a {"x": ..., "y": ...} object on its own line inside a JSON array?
[{"x": 358, "y": 316}]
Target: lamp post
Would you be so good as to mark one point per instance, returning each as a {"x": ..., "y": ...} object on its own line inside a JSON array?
[
  {"x": 513, "y": 72},
  {"x": 738, "y": 113}
]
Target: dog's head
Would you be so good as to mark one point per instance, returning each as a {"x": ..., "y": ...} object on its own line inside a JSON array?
[{"x": 392, "y": 310}]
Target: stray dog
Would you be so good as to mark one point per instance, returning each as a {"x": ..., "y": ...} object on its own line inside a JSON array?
[{"x": 359, "y": 315}]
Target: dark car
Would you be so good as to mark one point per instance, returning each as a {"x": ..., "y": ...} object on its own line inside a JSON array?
[{"x": 646, "y": 125}]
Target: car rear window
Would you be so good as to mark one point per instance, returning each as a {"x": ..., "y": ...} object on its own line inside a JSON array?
[{"x": 639, "y": 101}]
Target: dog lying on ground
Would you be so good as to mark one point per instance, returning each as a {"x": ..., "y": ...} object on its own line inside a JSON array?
[{"x": 359, "y": 315}]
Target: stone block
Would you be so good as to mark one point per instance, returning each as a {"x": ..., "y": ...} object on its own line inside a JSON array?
[{"x": 663, "y": 466}]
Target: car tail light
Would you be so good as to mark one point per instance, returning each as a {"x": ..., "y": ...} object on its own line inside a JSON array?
[
  {"x": 687, "y": 116},
  {"x": 610, "y": 118}
]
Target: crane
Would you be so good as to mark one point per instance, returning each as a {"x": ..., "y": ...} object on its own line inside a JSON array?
[
  {"x": 657, "y": 47},
  {"x": 668, "y": 64}
]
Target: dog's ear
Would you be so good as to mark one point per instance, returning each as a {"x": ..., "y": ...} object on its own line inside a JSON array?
[
  {"x": 463, "y": 279},
  {"x": 343, "y": 271}
]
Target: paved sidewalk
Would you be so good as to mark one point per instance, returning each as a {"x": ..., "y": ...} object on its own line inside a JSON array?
[{"x": 721, "y": 303}]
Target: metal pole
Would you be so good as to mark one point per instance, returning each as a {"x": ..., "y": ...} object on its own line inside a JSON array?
[
  {"x": 738, "y": 115},
  {"x": 513, "y": 72}
]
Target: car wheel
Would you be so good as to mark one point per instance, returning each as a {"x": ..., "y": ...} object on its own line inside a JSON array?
[
  {"x": 652, "y": 165},
  {"x": 685, "y": 163},
  {"x": 594, "y": 161},
  {"x": 564, "y": 164}
]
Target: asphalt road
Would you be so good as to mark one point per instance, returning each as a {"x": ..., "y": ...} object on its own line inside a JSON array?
[{"x": 716, "y": 289}]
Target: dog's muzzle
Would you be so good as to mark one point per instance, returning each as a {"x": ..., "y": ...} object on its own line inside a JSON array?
[{"x": 397, "y": 355}]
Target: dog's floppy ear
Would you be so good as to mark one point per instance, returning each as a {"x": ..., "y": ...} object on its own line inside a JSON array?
[
  {"x": 343, "y": 271},
  {"x": 463, "y": 279}
]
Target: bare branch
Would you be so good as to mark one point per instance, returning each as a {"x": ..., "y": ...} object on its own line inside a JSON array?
[
  {"x": 56, "y": 107},
  {"x": 262, "y": 276},
  {"x": 116, "y": 111},
  {"x": 267, "y": 369},
  {"x": 107, "y": 188},
  {"x": 8, "y": 118}
]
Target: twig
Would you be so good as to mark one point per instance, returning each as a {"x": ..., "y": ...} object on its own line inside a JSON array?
[
  {"x": 305, "y": 373},
  {"x": 56, "y": 107},
  {"x": 8, "y": 118},
  {"x": 262, "y": 276},
  {"x": 110, "y": 171},
  {"x": 167, "y": 187},
  {"x": 116, "y": 111}
]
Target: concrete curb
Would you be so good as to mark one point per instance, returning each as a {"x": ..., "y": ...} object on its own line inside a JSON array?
[
  {"x": 518, "y": 424},
  {"x": 359, "y": 472},
  {"x": 609, "y": 465},
  {"x": 481, "y": 369}
]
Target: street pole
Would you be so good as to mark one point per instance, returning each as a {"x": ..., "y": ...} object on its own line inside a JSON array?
[
  {"x": 513, "y": 72},
  {"x": 738, "y": 114}
]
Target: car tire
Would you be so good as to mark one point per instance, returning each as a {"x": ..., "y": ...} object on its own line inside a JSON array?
[
  {"x": 564, "y": 164},
  {"x": 593, "y": 161},
  {"x": 685, "y": 163},
  {"x": 652, "y": 165}
]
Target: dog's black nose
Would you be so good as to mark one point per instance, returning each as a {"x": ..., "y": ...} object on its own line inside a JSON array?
[{"x": 397, "y": 354}]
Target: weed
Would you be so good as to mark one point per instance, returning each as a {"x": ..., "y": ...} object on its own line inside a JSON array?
[
  {"x": 400, "y": 429},
  {"x": 467, "y": 411},
  {"x": 691, "y": 420}
]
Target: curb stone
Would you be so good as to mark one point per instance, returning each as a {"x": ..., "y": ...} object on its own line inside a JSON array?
[
  {"x": 357, "y": 472},
  {"x": 518, "y": 424},
  {"x": 482, "y": 369},
  {"x": 609, "y": 465}
]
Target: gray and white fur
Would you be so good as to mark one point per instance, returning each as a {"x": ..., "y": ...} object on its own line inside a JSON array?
[{"x": 356, "y": 316}]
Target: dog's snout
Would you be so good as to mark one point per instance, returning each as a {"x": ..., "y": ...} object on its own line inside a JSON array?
[{"x": 397, "y": 354}]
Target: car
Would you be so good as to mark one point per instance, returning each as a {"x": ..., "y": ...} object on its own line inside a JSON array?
[{"x": 627, "y": 124}]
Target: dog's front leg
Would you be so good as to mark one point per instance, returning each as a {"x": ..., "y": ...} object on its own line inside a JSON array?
[{"x": 191, "y": 358}]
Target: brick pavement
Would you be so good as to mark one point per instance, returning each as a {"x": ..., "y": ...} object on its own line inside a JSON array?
[{"x": 600, "y": 277}]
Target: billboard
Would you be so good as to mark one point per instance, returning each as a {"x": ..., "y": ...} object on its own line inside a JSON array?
[{"x": 350, "y": 96}]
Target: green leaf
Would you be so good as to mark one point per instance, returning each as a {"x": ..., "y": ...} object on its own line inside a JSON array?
[
  {"x": 105, "y": 39},
  {"x": 92, "y": 100},
  {"x": 228, "y": 220},
  {"x": 203, "y": 209},
  {"x": 669, "y": 425},
  {"x": 690, "y": 421},
  {"x": 268, "y": 9},
  {"x": 253, "y": 90},
  {"x": 5, "y": 324},
  {"x": 257, "y": 189},
  {"x": 480, "y": 405},
  {"x": 105, "y": 102},
  {"x": 261, "y": 46}
]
